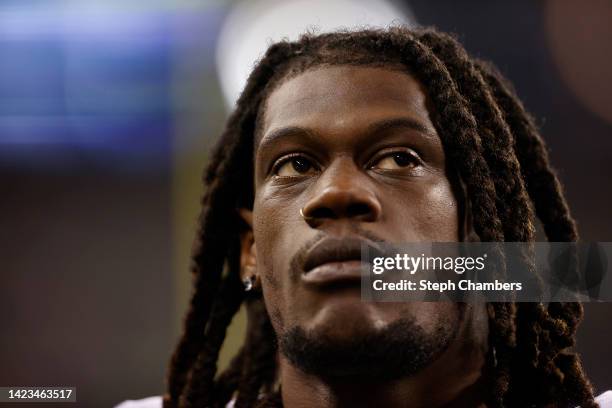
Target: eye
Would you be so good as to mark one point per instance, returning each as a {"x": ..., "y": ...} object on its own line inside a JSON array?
[
  {"x": 397, "y": 159},
  {"x": 292, "y": 166}
]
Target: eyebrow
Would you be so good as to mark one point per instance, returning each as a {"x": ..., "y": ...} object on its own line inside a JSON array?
[
  {"x": 375, "y": 128},
  {"x": 401, "y": 122}
]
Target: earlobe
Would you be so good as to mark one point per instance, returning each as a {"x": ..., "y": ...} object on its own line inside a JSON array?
[
  {"x": 246, "y": 215},
  {"x": 248, "y": 252},
  {"x": 248, "y": 263}
]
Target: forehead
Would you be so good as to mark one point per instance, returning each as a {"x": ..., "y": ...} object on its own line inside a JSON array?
[{"x": 345, "y": 95}]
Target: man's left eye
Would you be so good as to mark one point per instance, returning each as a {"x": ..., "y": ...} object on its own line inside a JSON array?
[{"x": 396, "y": 160}]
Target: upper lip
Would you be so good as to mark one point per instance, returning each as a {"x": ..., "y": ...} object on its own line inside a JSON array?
[{"x": 335, "y": 250}]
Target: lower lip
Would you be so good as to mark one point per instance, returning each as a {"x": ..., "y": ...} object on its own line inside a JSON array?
[{"x": 333, "y": 272}]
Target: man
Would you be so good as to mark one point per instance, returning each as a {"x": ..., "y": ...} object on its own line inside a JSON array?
[{"x": 363, "y": 137}]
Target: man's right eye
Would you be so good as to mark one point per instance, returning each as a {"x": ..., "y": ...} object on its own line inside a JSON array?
[{"x": 292, "y": 166}]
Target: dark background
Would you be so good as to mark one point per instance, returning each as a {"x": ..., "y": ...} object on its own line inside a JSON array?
[{"x": 106, "y": 113}]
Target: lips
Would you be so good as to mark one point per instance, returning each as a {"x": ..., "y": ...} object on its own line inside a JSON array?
[
  {"x": 334, "y": 259},
  {"x": 333, "y": 250}
]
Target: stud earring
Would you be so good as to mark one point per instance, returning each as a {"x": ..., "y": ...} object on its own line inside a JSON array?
[{"x": 248, "y": 283}]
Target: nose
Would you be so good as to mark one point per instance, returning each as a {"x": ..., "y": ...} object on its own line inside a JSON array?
[{"x": 342, "y": 191}]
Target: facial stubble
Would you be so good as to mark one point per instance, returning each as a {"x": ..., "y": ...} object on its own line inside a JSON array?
[{"x": 400, "y": 349}]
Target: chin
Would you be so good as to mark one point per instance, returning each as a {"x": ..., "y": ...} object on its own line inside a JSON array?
[
  {"x": 341, "y": 343},
  {"x": 346, "y": 318}
]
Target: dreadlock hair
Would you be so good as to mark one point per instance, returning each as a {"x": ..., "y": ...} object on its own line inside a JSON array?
[{"x": 493, "y": 145}]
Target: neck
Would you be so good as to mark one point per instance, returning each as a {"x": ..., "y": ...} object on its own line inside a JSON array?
[{"x": 454, "y": 379}]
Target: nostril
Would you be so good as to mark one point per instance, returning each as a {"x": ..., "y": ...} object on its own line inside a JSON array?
[
  {"x": 323, "y": 212},
  {"x": 358, "y": 209}
]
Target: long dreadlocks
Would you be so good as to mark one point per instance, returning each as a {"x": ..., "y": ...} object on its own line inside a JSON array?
[{"x": 489, "y": 140}]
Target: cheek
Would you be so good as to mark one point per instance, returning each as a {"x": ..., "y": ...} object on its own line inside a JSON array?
[
  {"x": 441, "y": 214},
  {"x": 274, "y": 231},
  {"x": 426, "y": 213}
]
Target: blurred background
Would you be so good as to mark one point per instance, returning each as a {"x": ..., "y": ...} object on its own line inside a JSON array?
[{"x": 107, "y": 111}]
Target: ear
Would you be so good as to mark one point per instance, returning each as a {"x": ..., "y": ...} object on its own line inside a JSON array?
[{"x": 248, "y": 250}]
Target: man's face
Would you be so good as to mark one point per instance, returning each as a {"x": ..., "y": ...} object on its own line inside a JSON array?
[{"x": 355, "y": 148}]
